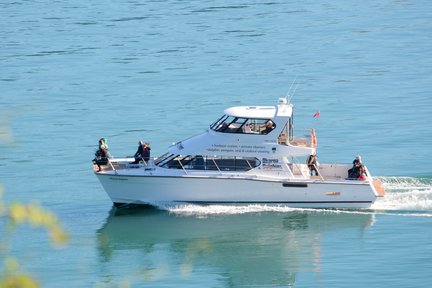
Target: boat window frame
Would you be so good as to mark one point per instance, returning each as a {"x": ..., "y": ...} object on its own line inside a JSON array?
[
  {"x": 166, "y": 159},
  {"x": 241, "y": 124},
  {"x": 218, "y": 122},
  {"x": 211, "y": 163}
]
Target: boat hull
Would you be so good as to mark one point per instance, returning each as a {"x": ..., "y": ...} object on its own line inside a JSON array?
[{"x": 153, "y": 190}]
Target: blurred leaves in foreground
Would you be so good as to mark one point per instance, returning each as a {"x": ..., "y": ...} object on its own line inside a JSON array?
[
  {"x": 32, "y": 214},
  {"x": 12, "y": 276},
  {"x": 15, "y": 214}
]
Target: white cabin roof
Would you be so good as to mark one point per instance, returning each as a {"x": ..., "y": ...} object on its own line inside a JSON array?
[
  {"x": 260, "y": 112},
  {"x": 264, "y": 112}
]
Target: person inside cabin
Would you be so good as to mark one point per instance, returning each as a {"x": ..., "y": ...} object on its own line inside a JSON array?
[
  {"x": 312, "y": 164},
  {"x": 146, "y": 152},
  {"x": 247, "y": 128},
  {"x": 102, "y": 154},
  {"x": 222, "y": 127},
  {"x": 269, "y": 126},
  {"x": 139, "y": 153},
  {"x": 354, "y": 172}
]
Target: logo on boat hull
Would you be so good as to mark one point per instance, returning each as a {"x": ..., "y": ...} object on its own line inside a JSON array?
[
  {"x": 333, "y": 193},
  {"x": 271, "y": 164}
]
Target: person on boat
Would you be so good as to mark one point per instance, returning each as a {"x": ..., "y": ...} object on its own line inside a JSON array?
[
  {"x": 269, "y": 126},
  {"x": 354, "y": 172},
  {"x": 139, "y": 154},
  {"x": 362, "y": 172},
  {"x": 312, "y": 164},
  {"x": 222, "y": 127},
  {"x": 146, "y": 152},
  {"x": 102, "y": 154}
]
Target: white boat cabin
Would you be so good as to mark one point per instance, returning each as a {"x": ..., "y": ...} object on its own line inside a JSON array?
[{"x": 245, "y": 138}]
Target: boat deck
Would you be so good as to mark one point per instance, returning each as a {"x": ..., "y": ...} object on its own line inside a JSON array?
[{"x": 326, "y": 171}]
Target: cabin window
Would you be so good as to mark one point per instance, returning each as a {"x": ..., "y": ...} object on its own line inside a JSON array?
[
  {"x": 216, "y": 125},
  {"x": 198, "y": 162},
  {"x": 230, "y": 124},
  {"x": 165, "y": 158}
]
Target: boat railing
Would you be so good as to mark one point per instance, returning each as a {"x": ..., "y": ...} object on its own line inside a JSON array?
[
  {"x": 305, "y": 140},
  {"x": 216, "y": 166},
  {"x": 319, "y": 172},
  {"x": 333, "y": 170},
  {"x": 218, "y": 163},
  {"x": 298, "y": 169},
  {"x": 149, "y": 165},
  {"x": 181, "y": 164},
  {"x": 116, "y": 164},
  {"x": 308, "y": 139},
  {"x": 250, "y": 166},
  {"x": 112, "y": 166}
]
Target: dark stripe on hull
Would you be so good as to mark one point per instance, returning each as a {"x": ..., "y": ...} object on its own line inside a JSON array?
[
  {"x": 273, "y": 202},
  {"x": 142, "y": 205},
  {"x": 133, "y": 205}
]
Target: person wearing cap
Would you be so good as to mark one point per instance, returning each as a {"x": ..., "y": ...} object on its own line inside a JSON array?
[{"x": 354, "y": 172}]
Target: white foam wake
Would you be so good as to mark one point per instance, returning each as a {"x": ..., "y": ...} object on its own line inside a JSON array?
[
  {"x": 194, "y": 209},
  {"x": 406, "y": 193},
  {"x": 405, "y": 196}
]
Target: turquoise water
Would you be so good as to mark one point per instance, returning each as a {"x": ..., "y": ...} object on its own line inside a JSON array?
[{"x": 71, "y": 73}]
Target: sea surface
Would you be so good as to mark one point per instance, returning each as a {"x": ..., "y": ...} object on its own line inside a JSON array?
[{"x": 161, "y": 71}]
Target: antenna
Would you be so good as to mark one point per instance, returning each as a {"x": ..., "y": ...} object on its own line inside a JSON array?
[
  {"x": 289, "y": 100},
  {"x": 288, "y": 92}
]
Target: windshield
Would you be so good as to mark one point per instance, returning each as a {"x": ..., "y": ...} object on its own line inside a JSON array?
[{"x": 230, "y": 124}]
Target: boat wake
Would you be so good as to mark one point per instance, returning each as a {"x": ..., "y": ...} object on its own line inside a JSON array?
[
  {"x": 406, "y": 193},
  {"x": 405, "y": 196}
]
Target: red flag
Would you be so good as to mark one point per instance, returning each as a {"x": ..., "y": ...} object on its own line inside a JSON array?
[{"x": 317, "y": 114}]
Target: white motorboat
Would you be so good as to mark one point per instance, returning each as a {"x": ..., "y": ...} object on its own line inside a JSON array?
[{"x": 249, "y": 155}]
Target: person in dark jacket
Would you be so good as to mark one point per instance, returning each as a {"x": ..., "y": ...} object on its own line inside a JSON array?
[
  {"x": 102, "y": 154},
  {"x": 354, "y": 172},
  {"x": 312, "y": 164},
  {"x": 139, "y": 154}
]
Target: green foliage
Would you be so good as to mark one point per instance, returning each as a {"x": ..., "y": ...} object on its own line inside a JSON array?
[
  {"x": 35, "y": 216},
  {"x": 13, "y": 277}
]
